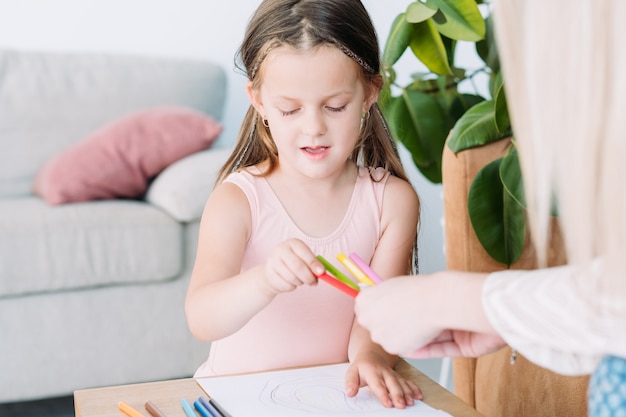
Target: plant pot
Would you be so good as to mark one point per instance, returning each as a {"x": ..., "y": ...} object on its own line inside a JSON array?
[{"x": 490, "y": 383}]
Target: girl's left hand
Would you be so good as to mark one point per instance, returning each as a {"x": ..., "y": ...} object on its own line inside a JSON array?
[{"x": 371, "y": 369}]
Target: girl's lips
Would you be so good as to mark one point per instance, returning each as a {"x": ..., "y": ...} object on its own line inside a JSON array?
[
  {"x": 315, "y": 152},
  {"x": 316, "y": 149}
]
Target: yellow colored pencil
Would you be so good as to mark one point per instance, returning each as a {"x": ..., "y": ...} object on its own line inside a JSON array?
[{"x": 355, "y": 270}]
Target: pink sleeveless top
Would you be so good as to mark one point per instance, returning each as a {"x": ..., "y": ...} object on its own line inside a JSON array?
[{"x": 310, "y": 325}]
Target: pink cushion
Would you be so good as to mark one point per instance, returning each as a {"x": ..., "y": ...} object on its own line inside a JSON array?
[{"x": 118, "y": 160}]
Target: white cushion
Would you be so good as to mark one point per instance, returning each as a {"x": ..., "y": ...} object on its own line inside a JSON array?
[{"x": 183, "y": 188}]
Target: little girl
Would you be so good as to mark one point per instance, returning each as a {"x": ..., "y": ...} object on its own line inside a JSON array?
[{"x": 314, "y": 172}]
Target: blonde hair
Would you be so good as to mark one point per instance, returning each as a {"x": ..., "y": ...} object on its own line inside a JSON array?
[{"x": 563, "y": 65}]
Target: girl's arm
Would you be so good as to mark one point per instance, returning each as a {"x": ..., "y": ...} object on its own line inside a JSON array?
[
  {"x": 221, "y": 299},
  {"x": 371, "y": 365},
  {"x": 217, "y": 288}
]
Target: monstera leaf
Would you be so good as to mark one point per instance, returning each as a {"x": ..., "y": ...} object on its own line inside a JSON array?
[
  {"x": 422, "y": 113},
  {"x": 430, "y": 108}
]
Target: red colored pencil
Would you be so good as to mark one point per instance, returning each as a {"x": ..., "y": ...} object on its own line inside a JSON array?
[{"x": 338, "y": 284}]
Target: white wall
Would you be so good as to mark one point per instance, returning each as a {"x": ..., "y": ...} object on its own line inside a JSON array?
[{"x": 204, "y": 29}]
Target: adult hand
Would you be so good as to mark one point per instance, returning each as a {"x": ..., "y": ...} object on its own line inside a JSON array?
[
  {"x": 398, "y": 314},
  {"x": 452, "y": 343},
  {"x": 428, "y": 315}
]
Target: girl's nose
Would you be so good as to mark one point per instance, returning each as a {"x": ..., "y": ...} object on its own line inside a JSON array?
[{"x": 313, "y": 124}]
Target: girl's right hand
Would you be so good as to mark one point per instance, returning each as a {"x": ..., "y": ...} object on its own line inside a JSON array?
[{"x": 291, "y": 264}]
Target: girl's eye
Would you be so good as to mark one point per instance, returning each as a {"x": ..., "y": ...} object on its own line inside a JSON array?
[
  {"x": 331, "y": 109},
  {"x": 336, "y": 109}
]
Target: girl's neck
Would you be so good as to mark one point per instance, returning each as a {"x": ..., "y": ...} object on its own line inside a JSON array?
[
  {"x": 293, "y": 179},
  {"x": 316, "y": 205}
]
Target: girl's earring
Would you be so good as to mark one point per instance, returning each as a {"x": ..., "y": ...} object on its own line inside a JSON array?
[
  {"x": 265, "y": 122},
  {"x": 364, "y": 117}
]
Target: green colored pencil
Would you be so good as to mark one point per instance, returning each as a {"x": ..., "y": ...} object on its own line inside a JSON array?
[{"x": 335, "y": 272}]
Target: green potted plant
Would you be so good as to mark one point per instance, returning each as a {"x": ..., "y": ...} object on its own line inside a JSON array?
[{"x": 431, "y": 111}]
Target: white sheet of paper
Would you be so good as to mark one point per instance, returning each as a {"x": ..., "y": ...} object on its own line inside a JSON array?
[{"x": 313, "y": 391}]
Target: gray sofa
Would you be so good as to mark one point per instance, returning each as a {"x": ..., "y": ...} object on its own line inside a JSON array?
[{"x": 92, "y": 293}]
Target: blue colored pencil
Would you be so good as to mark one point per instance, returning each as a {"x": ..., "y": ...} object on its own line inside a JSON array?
[{"x": 187, "y": 407}]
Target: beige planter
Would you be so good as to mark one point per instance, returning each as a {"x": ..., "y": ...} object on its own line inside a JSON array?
[{"x": 490, "y": 383}]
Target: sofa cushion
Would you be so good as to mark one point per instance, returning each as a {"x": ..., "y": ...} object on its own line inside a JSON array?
[
  {"x": 119, "y": 159},
  {"x": 183, "y": 188},
  {"x": 82, "y": 245},
  {"x": 51, "y": 100}
]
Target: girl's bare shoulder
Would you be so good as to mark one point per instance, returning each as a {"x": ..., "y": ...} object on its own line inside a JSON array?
[{"x": 400, "y": 195}]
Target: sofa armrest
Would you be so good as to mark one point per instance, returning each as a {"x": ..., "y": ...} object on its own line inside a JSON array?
[{"x": 183, "y": 188}]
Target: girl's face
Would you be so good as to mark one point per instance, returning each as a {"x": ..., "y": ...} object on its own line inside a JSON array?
[{"x": 313, "y": 101}]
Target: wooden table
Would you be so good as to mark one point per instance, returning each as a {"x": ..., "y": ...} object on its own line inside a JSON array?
[{"x": 166, "y": 395}]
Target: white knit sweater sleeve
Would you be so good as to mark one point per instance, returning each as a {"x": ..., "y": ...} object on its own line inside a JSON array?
[{"x": 557, "y": 317}]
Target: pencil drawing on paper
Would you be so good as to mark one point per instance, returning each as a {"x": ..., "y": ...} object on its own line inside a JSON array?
[
  {"x": 320, "y": 394},
  {"x": 310, "y": 392}
]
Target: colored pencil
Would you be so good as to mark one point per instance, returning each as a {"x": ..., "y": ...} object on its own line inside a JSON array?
[
  {"x": 187, "y": 408},
  {"x": 337, "y": 274},
  {"x": 354, "y": 269},
  {"x": 202, "y": 409},
  {"x": 219, "y": 408},
  {"x": 209, "y": 406},
  {"x": 338, "y": 284},
  {"x": 128, "y": 410},
  {"x": 365, "y": 268},
  {"x": 153, "y": 409}
]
